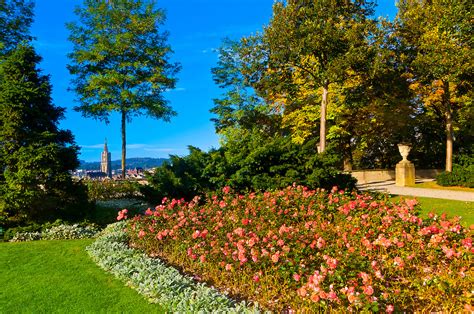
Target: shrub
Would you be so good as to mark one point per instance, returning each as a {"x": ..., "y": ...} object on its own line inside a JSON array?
[
  {"x": 55, "y": 231},
  {"x": 26, "y": 236},
  {"x": 458, "y": 177},
  {"x": 462, "y": 174},
  {"x": 12, "y": 232},
  {"x": 111, "y": 190},
  {"x": 105, "y": 211},
  {"x": 156, "y": 281},
  {"x": 253, "y": 164},
  {"x": 315, "y": 250},
  {"x": 66, "y": 232}
]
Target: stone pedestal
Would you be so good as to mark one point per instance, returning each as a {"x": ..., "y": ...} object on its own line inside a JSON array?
[{"x": 405, "y": 173}]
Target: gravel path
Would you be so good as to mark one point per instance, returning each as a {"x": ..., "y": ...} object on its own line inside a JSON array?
[{"x": 390, "y": 187}]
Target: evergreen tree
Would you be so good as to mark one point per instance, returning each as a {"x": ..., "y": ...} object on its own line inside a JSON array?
[
  {"x": 16, "y": 17},
  {"x": 120, "y": 61},
  {"x": 35, "y": 155}
]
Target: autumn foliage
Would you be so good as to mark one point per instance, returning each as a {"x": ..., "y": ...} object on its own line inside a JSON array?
[{"x": 312, "y": 250}]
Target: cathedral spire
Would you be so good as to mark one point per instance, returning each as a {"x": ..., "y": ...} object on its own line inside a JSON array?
[{"x": 105, "y": 162}]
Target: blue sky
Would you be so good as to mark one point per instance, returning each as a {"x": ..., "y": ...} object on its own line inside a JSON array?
[{"x": 196, "y": 29}]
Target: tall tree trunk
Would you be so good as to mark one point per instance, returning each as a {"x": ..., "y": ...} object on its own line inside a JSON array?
[
  {"x": 449, "y": 129},
  {"x": 124, "y": 142},
  {"x": 322, "y": 127},
  {"x": 348, "y": 157}
]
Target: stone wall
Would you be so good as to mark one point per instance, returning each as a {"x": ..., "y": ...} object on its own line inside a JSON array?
[{"x": 366, "y": 176}]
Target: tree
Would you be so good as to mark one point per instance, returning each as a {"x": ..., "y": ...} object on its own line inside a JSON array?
[
  {"x": 317, "y": 39},
  {"x": 436, "y": 38},
  {"x": 120, "y": 62},
  {"x": 35, "y": 155},
  {"x": 16, "y": 17},
  {"x": 241, "y": 106}
]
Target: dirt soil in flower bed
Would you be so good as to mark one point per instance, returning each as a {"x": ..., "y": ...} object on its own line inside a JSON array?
[{"x": 304, "y": 250}]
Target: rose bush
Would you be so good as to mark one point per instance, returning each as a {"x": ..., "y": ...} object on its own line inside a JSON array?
[{"x": 314, "y": 250}]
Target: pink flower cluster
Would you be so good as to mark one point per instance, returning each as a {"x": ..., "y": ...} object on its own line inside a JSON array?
[
  {"x": 330, "y": 249},
  {"x": 122, "y": 214}
]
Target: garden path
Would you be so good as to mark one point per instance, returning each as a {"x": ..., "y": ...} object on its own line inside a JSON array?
[{"x": 390, "y": 187}]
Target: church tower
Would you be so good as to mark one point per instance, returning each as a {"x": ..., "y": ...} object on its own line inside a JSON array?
[{"x": 105, "y": 161}]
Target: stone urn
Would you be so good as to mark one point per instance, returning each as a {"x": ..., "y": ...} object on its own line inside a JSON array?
[
  {"x": 404, "y": 150},
  {"x": 405, "y": 170}
]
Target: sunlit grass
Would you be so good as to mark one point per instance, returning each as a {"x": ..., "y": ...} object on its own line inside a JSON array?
[
  {"x": 434, "y": 185},
  {"x": 450, "y": 207},
  {"x": 59, "y": 276}
]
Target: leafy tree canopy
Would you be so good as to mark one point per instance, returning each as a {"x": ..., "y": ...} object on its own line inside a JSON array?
[{"x": 120, "y": 61}]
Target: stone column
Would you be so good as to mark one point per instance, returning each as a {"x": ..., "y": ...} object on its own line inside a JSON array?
[{"x": 405, "y": 169}]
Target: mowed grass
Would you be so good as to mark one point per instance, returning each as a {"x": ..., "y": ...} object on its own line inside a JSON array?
[
  {"x": 439, "y": 206},
  {"x": 434, "y": 185},
  {"x": 59, "y": 276}
]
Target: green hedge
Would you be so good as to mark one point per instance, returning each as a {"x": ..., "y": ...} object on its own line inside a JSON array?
[{"x": 462, "y": 174}]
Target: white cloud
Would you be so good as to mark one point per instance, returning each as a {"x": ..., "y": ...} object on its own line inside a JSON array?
[
  {"x": 95, "y": 146},
  {"x": 177, "y": 89},
  {"x": 136, "y": 146},
  {"x": 209, "y": 50}
]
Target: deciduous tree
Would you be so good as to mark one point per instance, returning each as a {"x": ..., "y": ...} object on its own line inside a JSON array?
[
  {"x": 318, "y": 39},
  {"x": 120, "y": 61},
  {"x": 436, "y": 37}
]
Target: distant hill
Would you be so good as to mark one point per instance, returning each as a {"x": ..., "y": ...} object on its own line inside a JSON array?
[{"x": 132, "y": 163}]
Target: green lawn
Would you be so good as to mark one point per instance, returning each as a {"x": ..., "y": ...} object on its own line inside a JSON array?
[
  {"x": 434, "y": 185},
  {"x": 439, "y": 206},
  {"x": 59, "y": 276}
]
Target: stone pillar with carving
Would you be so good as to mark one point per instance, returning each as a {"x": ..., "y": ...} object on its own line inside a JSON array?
[{"x": 405, "y": 169}]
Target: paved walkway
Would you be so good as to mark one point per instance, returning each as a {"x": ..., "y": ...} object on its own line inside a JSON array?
[{"x": 390, "y": 187}]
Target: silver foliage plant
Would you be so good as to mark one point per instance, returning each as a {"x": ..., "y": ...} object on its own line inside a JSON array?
[{"x": 156, "y": 281}]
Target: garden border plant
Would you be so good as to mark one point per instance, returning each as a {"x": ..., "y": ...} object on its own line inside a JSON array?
[
  {"x": 315, "y": 250},
  {"x": 155, "y": 280},
  {"x": 56, "y": 231}
]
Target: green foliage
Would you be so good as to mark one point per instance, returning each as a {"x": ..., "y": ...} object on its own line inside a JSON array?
[
  {"x": 111, "y": 190},
  {"x": 240, "y": 105},
  {"x": 120, "y": 61},
  {"x": 16, "y": 17},
  {"x": 181, "y": 177},
  {"x": 312, "y": 45},
  {"x": 247, "y": 162},
  {"x": 105, "y": 212},
  {"x": 462, "y": 174},
  {"x": 436, "y": 46},
  {"x": 35, "y": 155},
  {"x": 12, "y": 232}
]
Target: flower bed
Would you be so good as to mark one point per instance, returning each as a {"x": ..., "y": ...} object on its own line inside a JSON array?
[
  {"x": 155, "y": 280},
  {"x": 305, "y": 250}
]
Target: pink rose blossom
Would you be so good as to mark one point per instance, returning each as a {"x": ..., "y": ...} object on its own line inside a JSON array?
[{"x": 368, "y": 290}]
